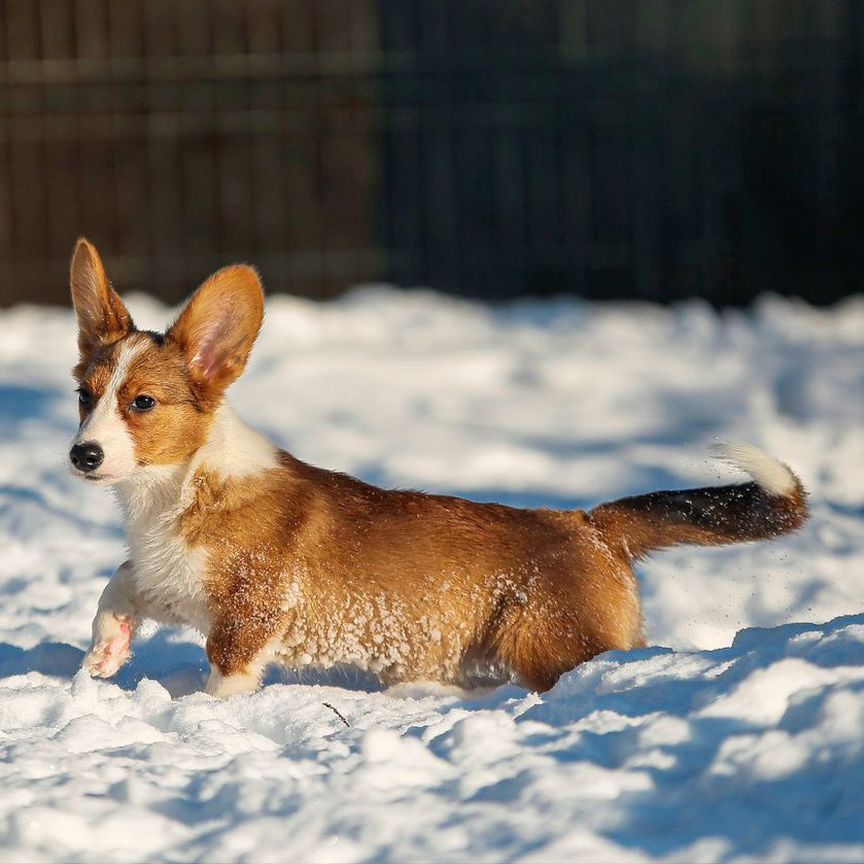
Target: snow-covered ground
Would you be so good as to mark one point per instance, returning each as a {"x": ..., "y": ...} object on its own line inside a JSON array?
[{"x": 738, "y": 736}]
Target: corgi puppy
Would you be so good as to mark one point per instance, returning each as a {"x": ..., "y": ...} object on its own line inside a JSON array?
[{"x": 276, "y": 561}]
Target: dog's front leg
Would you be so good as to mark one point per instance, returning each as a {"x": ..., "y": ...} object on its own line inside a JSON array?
[{"x": 114, "y": 625}]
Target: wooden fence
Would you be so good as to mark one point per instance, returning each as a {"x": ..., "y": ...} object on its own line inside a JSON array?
[
  {"x": 183, "y": 135},
  {"x": 640, "y": 148}
]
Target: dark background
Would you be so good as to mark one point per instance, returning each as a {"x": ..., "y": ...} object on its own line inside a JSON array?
[{"x": 610, "y": 148}]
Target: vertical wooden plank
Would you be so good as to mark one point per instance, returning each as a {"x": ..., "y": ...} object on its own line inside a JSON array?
[
  {"x": 573, "y": 29},
  {"x": 6, "y": 212},
  {"x": 405, "y": 190},
  {"x": 56, "y": 30},
  {"x": 125, "y": 28},
  {"x": 298, "y": 183},
  {"x": 190, "y": 150},
  {"x": 22, "y": 30},
  {"x": 269, "y": 210},
  {"x": 25, "y": 157},
  {"x": 330, "y": 37},
  {"x": 473, "y": 205},
  {"x": 126, "y": 45},
  {"x": 233, "y": 153},
  {"x": 91, "y": 30},
  {"x": 161, "y": 28},
  {"x": 304, "y": 213},
  {"x": 364, "y": 44},
  {"x": 434, "y": 34},
  {"x": 576, "y": 185},
  {"x": 27, "y": 229},
  {"x": 134, "y": 204},
  {"x": 4, "y": 29},
  {"x": 235, "y": 193},
  {"x": 364, "y": 26},
  {"x": 343, "y": 189},
  {"x": 647, "y": 210},
  {"x": 402, "y": 170},
  {"x": 200, "y": 193},
  {"x": 298, "y": 27},
  {"x": 346, "y": 177},
  {"x": 62, "y": 216},
  {"x": 166, "y": 237},
  {"x": 509, "y": 202},
  {"x": 434, "y": 37},
  {"x": 544, "y": 208},
  {"x": 9, "y": 285},
  {"x": 194, "y": 26},
  {"x": 438, "y": 198},
  {"x": 399, "y": 26},
  {"x": 229, "y": 27},
  {"x": 28, "y": 192},
  {"x": 263, "y": 26},
  {"x": 96, "y": 183},
  {"x": 331, "y": 17},
  {"x": 612, "y": 187},
  {"x": 198, "y": 98}
]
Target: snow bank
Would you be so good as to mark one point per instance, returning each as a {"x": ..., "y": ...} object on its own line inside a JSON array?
[{"x": 691, "y": 752}]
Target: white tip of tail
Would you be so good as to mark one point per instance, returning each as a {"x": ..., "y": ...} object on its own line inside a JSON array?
[{"x": 773, "y": 476}]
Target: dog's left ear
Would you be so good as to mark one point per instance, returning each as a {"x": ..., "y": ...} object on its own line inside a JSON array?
[
  {"x": 102, "y": 317},
  {"x": 218, "y": 326}
]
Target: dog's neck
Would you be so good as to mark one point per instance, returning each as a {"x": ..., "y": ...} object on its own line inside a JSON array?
[{"x": 232, "y": 450}]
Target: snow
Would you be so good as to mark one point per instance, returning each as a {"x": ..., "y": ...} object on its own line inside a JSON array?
[{"x": 736, "y": 736}]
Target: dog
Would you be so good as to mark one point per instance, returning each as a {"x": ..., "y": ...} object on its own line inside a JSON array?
[{"x": 276, "y": 561}]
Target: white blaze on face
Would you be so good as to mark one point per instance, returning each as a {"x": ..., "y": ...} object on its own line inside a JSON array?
[{"x": 106, "y": 425}]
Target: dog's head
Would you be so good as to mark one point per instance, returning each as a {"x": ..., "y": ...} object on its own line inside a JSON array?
[{"x": 148, "y": 399}]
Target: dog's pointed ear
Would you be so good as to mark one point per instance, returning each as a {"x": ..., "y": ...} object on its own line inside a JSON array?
[
  {"x": 218, "y": 326},
  {"x": 102, "y": 317}
]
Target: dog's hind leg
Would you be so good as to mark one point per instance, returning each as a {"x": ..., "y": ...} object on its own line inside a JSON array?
[{"x": 571, "y": 618}]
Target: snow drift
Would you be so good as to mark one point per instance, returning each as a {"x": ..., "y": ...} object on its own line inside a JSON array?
[{"x": 715, "y": 747}]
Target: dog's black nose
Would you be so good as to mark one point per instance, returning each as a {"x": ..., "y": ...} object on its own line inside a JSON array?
[{"x": 87, "y": 456}]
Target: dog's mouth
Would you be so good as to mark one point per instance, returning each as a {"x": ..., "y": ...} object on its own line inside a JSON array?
[
  {"x": 102, "y": 479},
  {"x": 96, "y": 478}
]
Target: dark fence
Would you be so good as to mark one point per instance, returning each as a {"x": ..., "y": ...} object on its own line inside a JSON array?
[
  {"x": 613, "y": 148},
  {"x": 183, "y": 135}
]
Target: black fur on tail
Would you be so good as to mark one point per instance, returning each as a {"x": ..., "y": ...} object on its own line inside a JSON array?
[{"x": 711, "y": 516}]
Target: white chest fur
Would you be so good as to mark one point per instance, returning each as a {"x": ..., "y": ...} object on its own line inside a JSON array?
[{"x": 168, "y": 575}]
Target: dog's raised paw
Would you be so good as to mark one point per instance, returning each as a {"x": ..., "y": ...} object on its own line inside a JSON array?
[{"x": 107, "y": 655}]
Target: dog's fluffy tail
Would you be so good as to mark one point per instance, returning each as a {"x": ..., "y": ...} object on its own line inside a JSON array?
[{"x": 774, "y": 503}]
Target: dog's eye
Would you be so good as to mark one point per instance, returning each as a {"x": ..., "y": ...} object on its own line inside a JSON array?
[
  {"x": 143, "y": 403},
  {"x": 85, "y": 397}
]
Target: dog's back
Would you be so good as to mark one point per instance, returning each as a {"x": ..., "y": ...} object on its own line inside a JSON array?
[{"x": 413, "y": 586}]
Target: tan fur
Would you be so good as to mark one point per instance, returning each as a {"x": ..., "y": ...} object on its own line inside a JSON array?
[
  {"x": 158, "y": 372},
  {"x": 410, "y": 586},
  {"x": 216, "y": 330},
  {"x": 297, "y": 565},
  {"x": 102, "y": 317}
]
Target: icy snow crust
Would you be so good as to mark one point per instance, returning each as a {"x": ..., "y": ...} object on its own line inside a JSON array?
[{"x": 718, "y": 747}]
